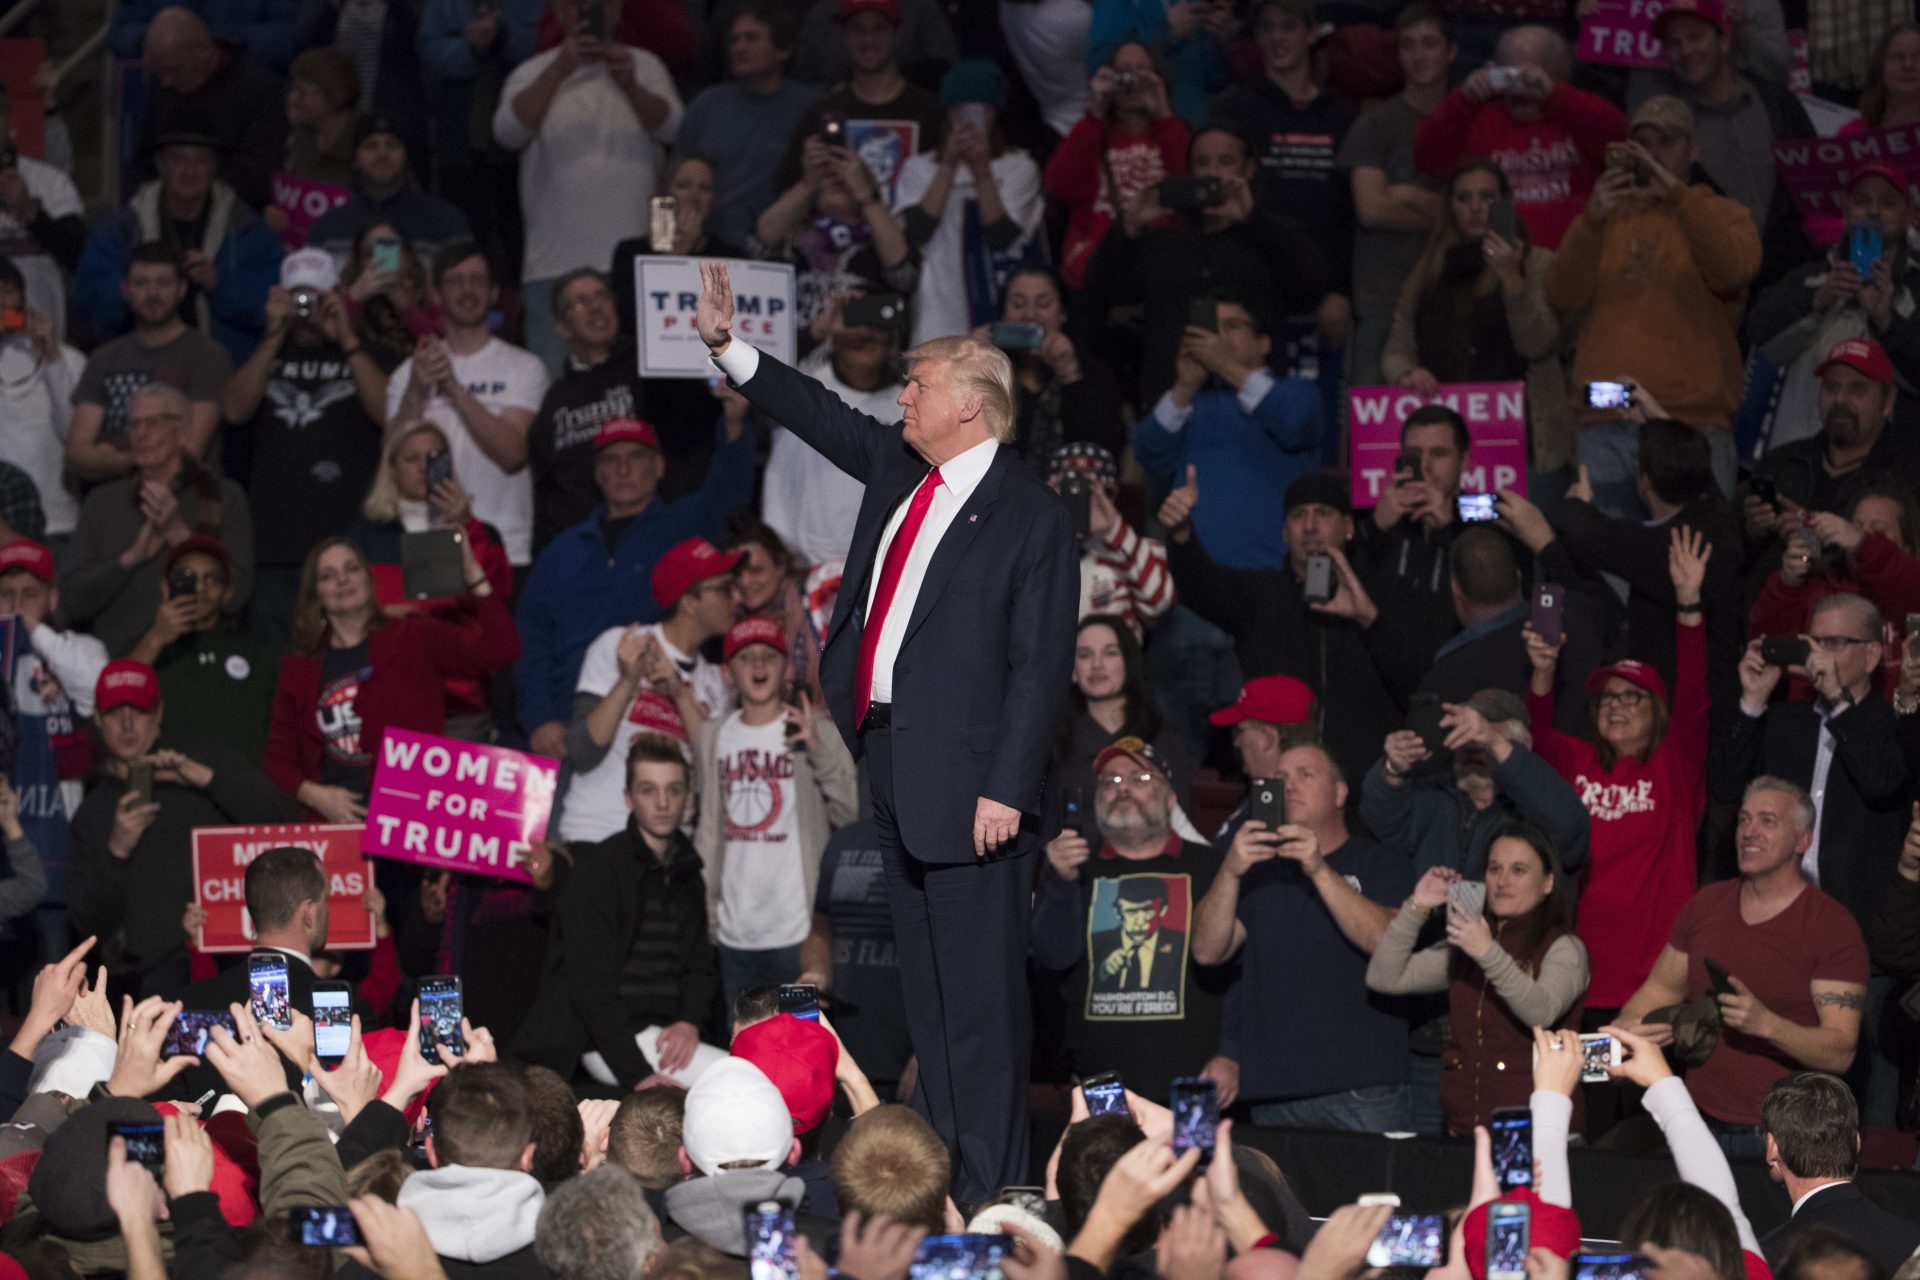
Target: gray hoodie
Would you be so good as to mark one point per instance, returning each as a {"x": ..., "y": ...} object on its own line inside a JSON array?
[
  {"x": 475, "y": 1215},
  {"x": 713, "y": 1209}
]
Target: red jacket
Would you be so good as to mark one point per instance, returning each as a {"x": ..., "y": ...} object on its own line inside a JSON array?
[
  {"x": 1078, "y": 176},
  {"x": 1550, "y": 163},
  {"x": 412, "y": 658}
]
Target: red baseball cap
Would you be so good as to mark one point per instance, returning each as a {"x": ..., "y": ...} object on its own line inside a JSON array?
[
  {"x": 125, "y": 682},
  {"x": 889, "y": 9},
  {"x": 25, "y": 553},
  {"x": 1634, "y": 672},
  {"x": 753, "y": 630},
  {"x": 1881, "y": 169},
  {"x": 1862, "y": 354},
  {"x": 204, "y": 545},
  {"x": 1139, "y": 751},
  {"x": 799, "y": 1056},
  {"x": 1550, "y": 1226},
  {"x": 1713, "y": 11},
  {"x": 1274, "y": 699},
  {"x": 686, "y": 564},
  {"x": 626, "y": 431}
]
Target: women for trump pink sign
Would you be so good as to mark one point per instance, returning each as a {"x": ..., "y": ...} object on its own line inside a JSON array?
[{"x": 458, "y": 806}]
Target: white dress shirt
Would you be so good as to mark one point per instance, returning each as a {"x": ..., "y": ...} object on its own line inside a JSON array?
[{"x": 959, "y": 477}]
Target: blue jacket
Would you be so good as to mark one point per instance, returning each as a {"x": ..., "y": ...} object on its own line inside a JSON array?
[
  {"x": 576, "y": 590},
  {"x": 1245, "y": 459},
  {"x": 442, "y": 41},
  {"x": 246, "y": 258}
]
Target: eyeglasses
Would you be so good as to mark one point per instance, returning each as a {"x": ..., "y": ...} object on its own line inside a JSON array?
[
  {"x": 1623, "y": 697},
  {"x": 1141, "y": 779},
  {"x": 1834, "y": 644},
  {"x": 598, "y": 298}
]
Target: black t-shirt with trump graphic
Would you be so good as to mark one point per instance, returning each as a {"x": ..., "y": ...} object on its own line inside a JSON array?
[
  {"x": 346, "y": 761},
  {"x": 1136, "y": 1003}
]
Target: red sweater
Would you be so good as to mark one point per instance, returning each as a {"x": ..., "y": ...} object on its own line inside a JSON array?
[
  {"x": 1551, "y": 162},
  {"x": 1886, "y": 575},
  {"x": 1640, "y": 868},
  {"x": 1076, "y": 177},
  {"x": 412, "y": 658}
]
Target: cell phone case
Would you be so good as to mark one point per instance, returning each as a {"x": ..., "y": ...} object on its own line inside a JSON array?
[{"x": 431, "y": 565}]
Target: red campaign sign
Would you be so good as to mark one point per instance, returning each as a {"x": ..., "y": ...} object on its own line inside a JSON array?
[
  {"x": 220, "y": 858},
  {"x": 20, "y": 58},
  {"x": 1816, "y": 169},
  {"x": 1496, "y": 414},
  {"x": 458, "y": 806},
  {"x": 1619, "y": 33},
  {"x": 303, "y": 202}
]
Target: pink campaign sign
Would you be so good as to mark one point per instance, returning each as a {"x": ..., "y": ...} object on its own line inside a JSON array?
[
  {"x": 1496, "y": 414},
  {"x": 303, "y": 202},
  {"x": 1619, "y": 33},
  {"x": 459, "y": 806},
  {"x": 1816, "y": 169}
]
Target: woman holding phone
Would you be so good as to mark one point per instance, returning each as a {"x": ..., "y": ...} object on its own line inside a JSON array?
[
  {"x": 1062, "y": 392},
  {"x": 1643, "y": 780},
  {"x": 1475, "y": 310},
  {"x": 1509, "y": 963},
  {"x": 385, "y": 286}
]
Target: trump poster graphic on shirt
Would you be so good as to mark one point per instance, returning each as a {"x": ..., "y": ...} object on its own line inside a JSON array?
[{"x": 1137, "y": 948}]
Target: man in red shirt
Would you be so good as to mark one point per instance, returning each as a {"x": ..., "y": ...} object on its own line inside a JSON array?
[{"x": 1795, "y": 970}]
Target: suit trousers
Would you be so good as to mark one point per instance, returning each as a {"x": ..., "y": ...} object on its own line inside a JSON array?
[{"x": 960, "y": 933}]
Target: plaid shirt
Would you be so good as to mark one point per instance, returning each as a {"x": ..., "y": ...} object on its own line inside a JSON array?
[{"x": 20, "y": 503}]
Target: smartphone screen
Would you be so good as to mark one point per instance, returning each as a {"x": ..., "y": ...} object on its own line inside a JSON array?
[
  {"x": 1597, "y": 1052},
  {"x": 332, "y": 1021},
  {"x": 1196, "y": 1115},
  {"x": 1106, "y": 1095},
  {"x": 441, "y": 1009},
  {"x": 1608, "y": 395},
  {"x": 957, "y": 1257},
  {"x": 1511, "y": 1129},
  {"x": 1605, "y": 1266},
  {"x": 1410, "y": 1240},
  {"x": 321, "y": 1225},
  {"x": 802, "y": 1000},
  {"x": 384, "y": 255},
  {"x": 267, "y": 989},
  {"x": 187, "y": 1037},
  {"x": 146, "y": 1145},
  {"x": 1507, "y": 1240},
  {"x": 1503, "y": 220},
  {"x": 1549, "y": 611},
  {"x": 1475, "y": 507},
  {"x": 770, "y": 1242}
]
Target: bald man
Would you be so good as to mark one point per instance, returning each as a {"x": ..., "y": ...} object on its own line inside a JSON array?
[{"x": 225, "y": 94}]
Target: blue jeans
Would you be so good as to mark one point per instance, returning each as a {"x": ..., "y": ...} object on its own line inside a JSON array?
[
  {"x": 740, "y": 970},
  {"x": 1385, "y": 1108}
]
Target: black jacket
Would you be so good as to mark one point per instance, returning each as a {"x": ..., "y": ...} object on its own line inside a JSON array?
[
  {"x": 1886, "y": 1237},
  {"x": 621, "y": 899},
  {"x": 1406, "y": 570},
  {"x": 1863, "y": 813}
]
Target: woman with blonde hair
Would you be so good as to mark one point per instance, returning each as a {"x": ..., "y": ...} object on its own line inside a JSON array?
[{"x": 397, "y": 504}]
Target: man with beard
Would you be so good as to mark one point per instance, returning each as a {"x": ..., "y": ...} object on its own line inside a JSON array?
[
  {"x": 1114, "y": 924},
  {"x": 1854, "y": 446}
]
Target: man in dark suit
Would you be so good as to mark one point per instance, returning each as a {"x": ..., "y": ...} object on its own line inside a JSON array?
[
  {"x": 1813, "y": 1138},
  {"x": 946, "y": 665}
]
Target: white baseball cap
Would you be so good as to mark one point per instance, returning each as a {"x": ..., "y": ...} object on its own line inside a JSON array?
[
  {"x": 734, "y": 1114},
  {"x": 308, "y": 269}
]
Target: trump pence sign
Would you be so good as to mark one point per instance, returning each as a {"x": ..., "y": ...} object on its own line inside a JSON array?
[
  {"x": 458, "y": 806},
  {"x": 1496, "y": 416},
  {"x": 666, "y": 291}
]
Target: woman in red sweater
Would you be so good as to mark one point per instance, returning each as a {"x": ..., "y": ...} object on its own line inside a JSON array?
[
  {"x": 354, "y": 670},
  {"x": 1128, "y": 140},
  {"x": 1643, "y": 782}
]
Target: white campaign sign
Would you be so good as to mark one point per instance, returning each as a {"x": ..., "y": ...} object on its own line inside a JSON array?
[{"x": 667, "y": 290}]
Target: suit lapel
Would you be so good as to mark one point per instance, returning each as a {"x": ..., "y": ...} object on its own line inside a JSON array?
[{"x": 959, "y": 535}]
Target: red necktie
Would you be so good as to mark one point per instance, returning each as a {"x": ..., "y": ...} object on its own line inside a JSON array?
[{"x": 890, "y": 571}]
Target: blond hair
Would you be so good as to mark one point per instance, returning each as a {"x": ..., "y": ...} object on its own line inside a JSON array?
[
  {"x": 976, "y": 371},
  {"x": 383, "y": 496},
  {"x": 892, "y": 1162}
]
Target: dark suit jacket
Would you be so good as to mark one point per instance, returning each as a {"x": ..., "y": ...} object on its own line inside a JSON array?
[
  {"x": 980, "y": 685},
  {"x": 1882, "y": 1235},
  {"x": 1863, "y": 817}
]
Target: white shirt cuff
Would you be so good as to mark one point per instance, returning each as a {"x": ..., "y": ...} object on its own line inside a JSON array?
[
  {"x": 739, "y": 361},
  {"x": 1255, "y": 389},
  {"x": 1169, "y": 415}
]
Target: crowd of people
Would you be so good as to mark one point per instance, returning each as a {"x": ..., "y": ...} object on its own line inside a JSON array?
[{"x": 1376, "y": 812}]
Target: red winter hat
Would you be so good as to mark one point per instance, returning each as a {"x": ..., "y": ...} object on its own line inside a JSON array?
[
  {"x": 626, "y": 431},
  {"x": 686, "y": 564},
  {"x": 1550, "y": 1226},
  {"x": 236, "y": 1166},
  {"x": 1635, "y": 673},
  {"x": 1862, "y": 354},
  {"x": 204, "y": 545},
  {"x": 1713, "y": 11},
  {"x": 799, "y": 1056},
  {"x": 1881, "y": 169},
  {"x": 125, "y": 682},
  {"x": 753, "y": 630},
  {"x": 1274, "y": 699},
  {"x": 25, "y": 553}
]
